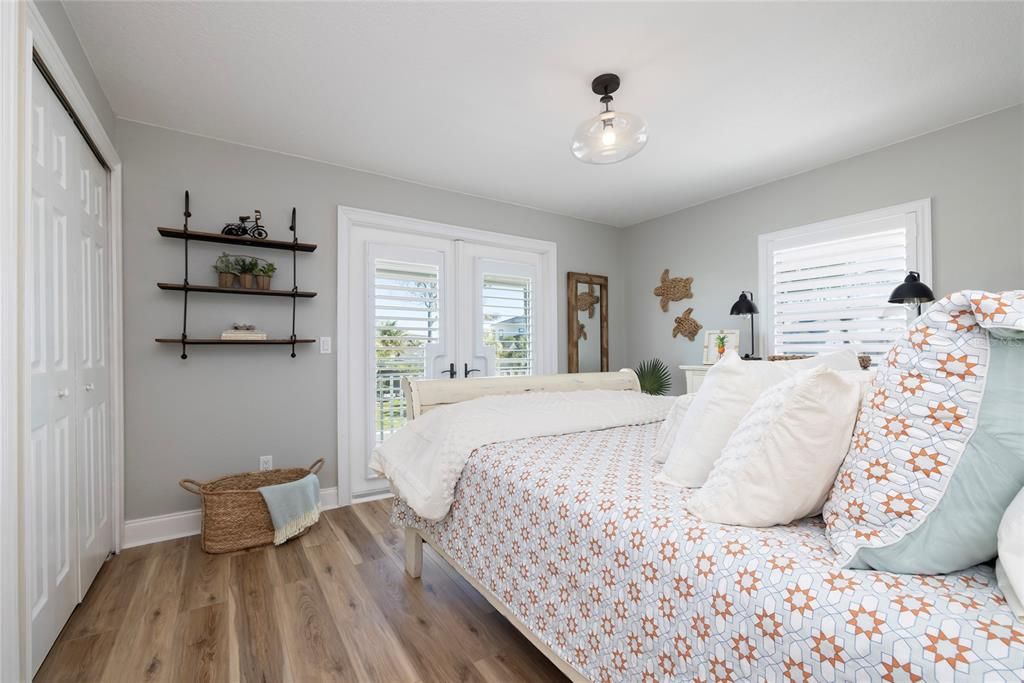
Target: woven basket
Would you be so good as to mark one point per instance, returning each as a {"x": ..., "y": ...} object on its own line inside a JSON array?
[
  {"x": 235, "y": 517},
  {"x": 864, "y": 360}
]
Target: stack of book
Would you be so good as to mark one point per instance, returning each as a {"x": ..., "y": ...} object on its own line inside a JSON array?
[{"x": 243, "y": 335}]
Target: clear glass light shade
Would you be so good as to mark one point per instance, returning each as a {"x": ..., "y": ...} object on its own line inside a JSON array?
[{"x": 609, "y": 137}]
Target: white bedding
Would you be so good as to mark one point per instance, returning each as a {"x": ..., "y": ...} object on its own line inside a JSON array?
[{"x": 424, "y": 459}]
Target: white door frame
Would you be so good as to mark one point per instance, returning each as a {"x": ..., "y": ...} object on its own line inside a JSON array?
[
  {"x": 10, "y": 559},
  {"x": 349, "y": 217},
  {"x": 22, "y": 32}
]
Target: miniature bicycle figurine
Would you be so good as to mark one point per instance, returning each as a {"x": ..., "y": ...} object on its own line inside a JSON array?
[{"x": 243, "y": 228}]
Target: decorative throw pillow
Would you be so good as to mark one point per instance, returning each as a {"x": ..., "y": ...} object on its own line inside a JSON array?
[
  {"x": 1010, "y": 565},
  {"x": 670, "y": 427},
  {"x": 780, "y": 463},
  {"x": 938, "y": 451},
  {"x": 729, "y": 389}
]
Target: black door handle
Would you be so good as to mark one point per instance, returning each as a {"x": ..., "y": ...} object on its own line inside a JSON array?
[
  {"x": 468, "y": 370},
  {"x": 450, "y": 371}
]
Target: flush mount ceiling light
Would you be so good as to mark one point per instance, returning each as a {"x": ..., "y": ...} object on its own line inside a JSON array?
[{"x": 610, "y": 136}]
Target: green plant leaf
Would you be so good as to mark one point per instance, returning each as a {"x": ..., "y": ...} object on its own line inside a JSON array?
[{"x": 655, "y": 378}]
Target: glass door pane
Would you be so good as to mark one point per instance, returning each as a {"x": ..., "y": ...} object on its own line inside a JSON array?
[
  {"x": 507, "y": 318},
  {"x": 406, "y": 333},
  {"x": 501, "y": 317}
]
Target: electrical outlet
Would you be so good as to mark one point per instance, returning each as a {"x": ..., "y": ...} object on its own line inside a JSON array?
[
  {"x": 325, "y": 344},
  {"x": 266, "y": 462}
]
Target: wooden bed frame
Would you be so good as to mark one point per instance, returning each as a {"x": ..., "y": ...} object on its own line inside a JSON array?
[{"x": 422, "y": 395}]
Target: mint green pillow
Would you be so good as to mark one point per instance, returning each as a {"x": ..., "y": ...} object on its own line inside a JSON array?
[{"x": 961, "y": 530}]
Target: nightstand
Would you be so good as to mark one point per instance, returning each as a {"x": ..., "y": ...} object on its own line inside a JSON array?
[{"x": 694, "y": 376}]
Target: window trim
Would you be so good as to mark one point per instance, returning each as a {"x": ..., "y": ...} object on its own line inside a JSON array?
[{"x": 919, "y": 257}]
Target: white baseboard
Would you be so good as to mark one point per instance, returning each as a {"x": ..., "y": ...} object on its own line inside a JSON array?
[
  {"x": 372, "y": 495},
  {"x": 188, "y": 523}
]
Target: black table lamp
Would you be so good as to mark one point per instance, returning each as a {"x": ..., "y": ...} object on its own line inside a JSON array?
[
  {"x": 745, "y": 306},
  {"x": 912, "y": 292}
]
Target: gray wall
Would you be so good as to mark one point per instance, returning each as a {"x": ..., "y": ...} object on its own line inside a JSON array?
[
  {"x": 56, "y": 20},
  {"x": 972, "y": 172},
  {"x": 221, "y": 409}
]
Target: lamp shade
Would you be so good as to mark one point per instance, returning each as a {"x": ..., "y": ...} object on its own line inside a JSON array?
[
  {"x": 744, "y": 305},
  {"x": 912, "y": 291},
  {"x": 609, "y": 137}
]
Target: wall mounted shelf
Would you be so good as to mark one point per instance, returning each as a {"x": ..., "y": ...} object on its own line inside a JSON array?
[
  {"x": 234, "y": 342},
  {"x": 294, "y": 246},
  {"x": 181, "y": 287},
  {"x": 218, "y": 238}
]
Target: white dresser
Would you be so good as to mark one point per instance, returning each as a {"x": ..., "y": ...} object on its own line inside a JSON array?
[{"x": 694, "y": 376}]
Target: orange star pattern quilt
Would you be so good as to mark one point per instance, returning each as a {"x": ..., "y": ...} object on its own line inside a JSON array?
[{"x": 608, "y": 568}]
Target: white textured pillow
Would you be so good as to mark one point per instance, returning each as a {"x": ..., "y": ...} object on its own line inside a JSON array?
[
  {"x": 669, "y": 429},
  {"x": 1010, "y": 565},
  {"x": 729, "y": 389},
  {"x": 780, "y": 463}
]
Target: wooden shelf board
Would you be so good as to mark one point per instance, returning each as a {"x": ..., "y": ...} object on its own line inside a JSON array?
[
  {"x": 197, "y": 340},
  {"x": 179, "y": 287},
  {"x": 218, "y": 238}
]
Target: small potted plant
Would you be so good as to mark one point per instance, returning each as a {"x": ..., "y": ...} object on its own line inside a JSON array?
[
  {"x": 264, "y": 274},
  {"x": 655, "y": 379},
  {"x": 226, "y": 270},
  {"x": 247, "y": 271}
]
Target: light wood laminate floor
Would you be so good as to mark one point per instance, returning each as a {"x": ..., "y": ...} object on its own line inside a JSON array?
[{"x": 333, "y": 605}]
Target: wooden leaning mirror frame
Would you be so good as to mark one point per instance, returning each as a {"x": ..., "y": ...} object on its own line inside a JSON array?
[{"x": 587, "y": 296}]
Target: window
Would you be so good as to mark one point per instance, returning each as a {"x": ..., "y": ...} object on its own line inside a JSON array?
[
  {"x": 826, "y": 286},
  {"x": 406, "y": 324},
  {"x": 507, "y": 303}
]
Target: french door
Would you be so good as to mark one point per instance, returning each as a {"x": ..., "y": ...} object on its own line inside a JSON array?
[
  {"x": 438, "y": 307},
  {"x": 68, "y": 468}
]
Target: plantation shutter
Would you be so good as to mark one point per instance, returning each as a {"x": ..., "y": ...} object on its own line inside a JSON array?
[
  {"x": 830, "y": 291},
  {"x": 508, "y": 322},
  {"x": 406, "y": 325}
]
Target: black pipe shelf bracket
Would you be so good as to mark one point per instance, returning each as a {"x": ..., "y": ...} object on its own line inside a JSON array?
[{"x": 188, "y": 235}]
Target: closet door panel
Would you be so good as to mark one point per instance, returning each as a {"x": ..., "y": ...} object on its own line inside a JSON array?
[
  {"x": 94, "y": 485},
  {"x": 52, "y": 321}
]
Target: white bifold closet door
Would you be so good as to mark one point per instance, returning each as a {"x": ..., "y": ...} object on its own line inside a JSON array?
[
  {"x": 436, "y": 308},
  {"x": 68, "y": 472}
]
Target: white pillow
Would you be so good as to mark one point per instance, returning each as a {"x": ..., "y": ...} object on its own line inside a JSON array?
[
  {"x": 729, "y": 389},
  {"x": 864, "y": 378},
  {"x": 781, "y": 462},
  {"x": 1010, "y": 565},
  {"x": 670, "y": 427}
]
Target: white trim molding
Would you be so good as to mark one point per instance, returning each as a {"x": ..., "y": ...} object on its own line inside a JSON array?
[
  {"x": 10, "y": 188},
  {"x": 189, "y": 523}
]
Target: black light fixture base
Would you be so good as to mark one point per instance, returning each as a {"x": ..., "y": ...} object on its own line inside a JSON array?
[{"x": 605, "y": 84}]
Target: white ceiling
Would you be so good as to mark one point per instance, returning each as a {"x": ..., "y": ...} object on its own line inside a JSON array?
[{"x": 482, "y": 98}]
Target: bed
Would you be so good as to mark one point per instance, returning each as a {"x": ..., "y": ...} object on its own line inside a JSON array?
[{"x": 605, "y": 571}]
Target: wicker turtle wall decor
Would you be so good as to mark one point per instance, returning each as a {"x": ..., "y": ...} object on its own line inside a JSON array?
[
  {"x": 673, "y": 289},
  {"x": 686, "y": 326},
  {"x": 587, "y": 300},
  {"x": 581, "y": 331}
]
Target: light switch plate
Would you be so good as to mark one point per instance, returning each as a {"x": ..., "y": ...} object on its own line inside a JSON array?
[
  {"x": 325, "y": 344},
  {"x": 266, "y": 462}
]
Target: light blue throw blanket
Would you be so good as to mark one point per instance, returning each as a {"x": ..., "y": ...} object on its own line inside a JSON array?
[{"x": 294, "y": 507}]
